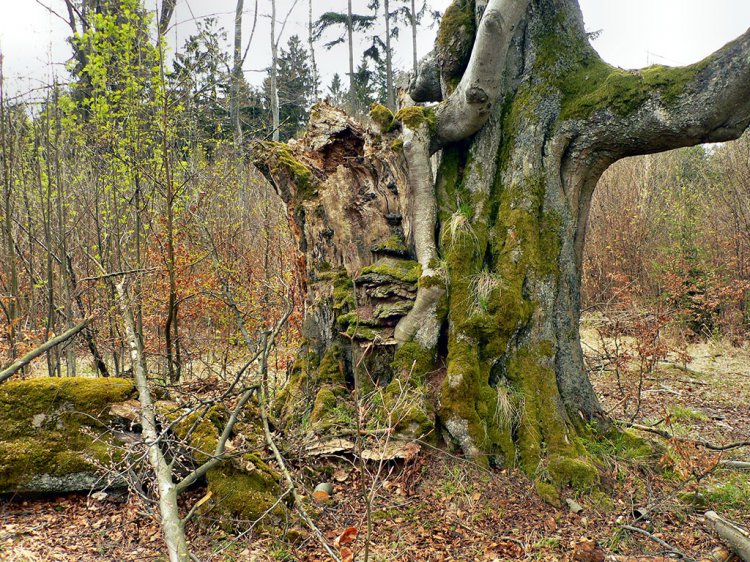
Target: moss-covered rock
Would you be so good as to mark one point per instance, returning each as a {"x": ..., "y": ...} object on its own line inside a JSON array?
[
  {"x": 548, "y": 493},
  {"x": 53, "y": 435},
  {"x": 199, "y": 430},
  {"x": 578, "y": 473},
  {"x": 243, "y": 491}
]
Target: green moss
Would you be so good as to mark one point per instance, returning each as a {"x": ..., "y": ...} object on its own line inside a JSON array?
[
  {"x": 325, "y": 402},
  {"x": 404, "y": 270},
  {"x": 353, "y": 319},
  {"x": 414, "y": 116},
  {"x": 331, "y": 409},
  {"x": 394, "y": 245},
  {"x": 242, "y": 496},
  {"x": 50, "y": 426},
  {"x": 382, "y": 117},
  {"x": 331, "y": 369},
  {"x": 393, "y": 310},
  {"x": 454, "y": 40},
  {"x": 343, "y": 294},
  {"x": 548, "y": 493},
  {"x": 577, "y": 473},
  {"x": 283, "y": 157},
  {"x": 543, "y": 425},
  {"x": 409, "y": 413},
  {"x": 397, "y": 145},
  {"x": 467, "y": 396},
  {"x": 57, "y": 399},
  {"x": 427, "y": 281},
  {"x": 596, "y": 85},
  {"x": 413, "y": 360},
  {"x": 200, "y": 430},
  {"x": 589, "y": 84},
  {"x": 360, "y": 332}
]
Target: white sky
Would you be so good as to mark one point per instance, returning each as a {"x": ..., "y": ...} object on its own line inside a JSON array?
[{"x": 635, "y": 33}]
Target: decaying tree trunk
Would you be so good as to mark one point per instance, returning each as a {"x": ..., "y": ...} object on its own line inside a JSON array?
[{"x": 446, "y": 247}]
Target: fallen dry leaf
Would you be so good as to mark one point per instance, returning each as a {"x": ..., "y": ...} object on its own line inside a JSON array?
[{"x": 347, "y": 537}]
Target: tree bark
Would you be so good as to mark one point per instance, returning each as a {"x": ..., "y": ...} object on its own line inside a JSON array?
[
  {"x": 350, "y": 42},
  {"x": 390, "y": 99},
  {"x": 237, "y": 77},
  {"x": 469, "y": 282},
  {"x": 171, "y": 523},
  {"x": 274, "y": 67}
]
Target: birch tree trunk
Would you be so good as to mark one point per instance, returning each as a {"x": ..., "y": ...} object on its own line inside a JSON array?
[
  {"x": 463, "y": 282},
  {"x": 274, "y": 66},
  {"x": 390, "y": 100},
  {"x": 350, "y": 42}
]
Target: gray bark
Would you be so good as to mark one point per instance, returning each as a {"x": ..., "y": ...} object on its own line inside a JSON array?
[
  {"x": 470, "y": 105},
  {"x": 350, "y": 42},
  {"x": 274, "y": 66},
  {"x": 171, "y": 524},
  {"x": 237, "y": 77},
  {"x": 505, "y": 215}
]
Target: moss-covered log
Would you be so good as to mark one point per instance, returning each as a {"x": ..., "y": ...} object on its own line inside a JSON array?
[{"x": 528, "y": 119}]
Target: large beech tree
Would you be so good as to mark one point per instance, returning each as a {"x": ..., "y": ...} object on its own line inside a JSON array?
[{"x": 443, "y": 251}]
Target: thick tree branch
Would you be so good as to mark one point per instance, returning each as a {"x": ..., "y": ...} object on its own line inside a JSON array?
[
  {"x": 421, "y": 320},
  {"x": 705, "y": 102},
  {"x": 470, "y": 105}
]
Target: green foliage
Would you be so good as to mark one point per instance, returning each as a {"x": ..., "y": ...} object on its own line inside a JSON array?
[
  {"x": 678, "y": 412},
  {"x": 733, "y": 493}
]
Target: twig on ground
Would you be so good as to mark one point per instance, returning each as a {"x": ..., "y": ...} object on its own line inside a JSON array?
[
  {"x": 656, "y": 539},
  {"x": 667, "y": 435}
]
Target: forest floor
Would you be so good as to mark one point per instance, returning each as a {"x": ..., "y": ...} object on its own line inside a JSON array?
[{"x": 438, "y": 507}]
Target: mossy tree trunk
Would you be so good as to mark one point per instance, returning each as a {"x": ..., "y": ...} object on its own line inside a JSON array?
[{"x": 467, "y": 279}]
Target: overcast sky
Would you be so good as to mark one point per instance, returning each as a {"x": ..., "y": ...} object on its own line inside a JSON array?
[{"x": 635, "y": 33}]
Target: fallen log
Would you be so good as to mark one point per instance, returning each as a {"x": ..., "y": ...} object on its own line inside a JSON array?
[
  {"x": 36, "y": 352},
  {"x": 737, "y": 538}
]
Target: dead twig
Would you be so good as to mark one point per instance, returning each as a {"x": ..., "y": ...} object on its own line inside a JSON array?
[
  {"x": 667, "y": 435},
  {"x": 656, "y": 539}
]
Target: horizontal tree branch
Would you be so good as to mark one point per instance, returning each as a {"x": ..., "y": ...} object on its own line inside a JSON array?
[
  {"x": 705, "y": 102},
  {"x": 46, "y": 346}
]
